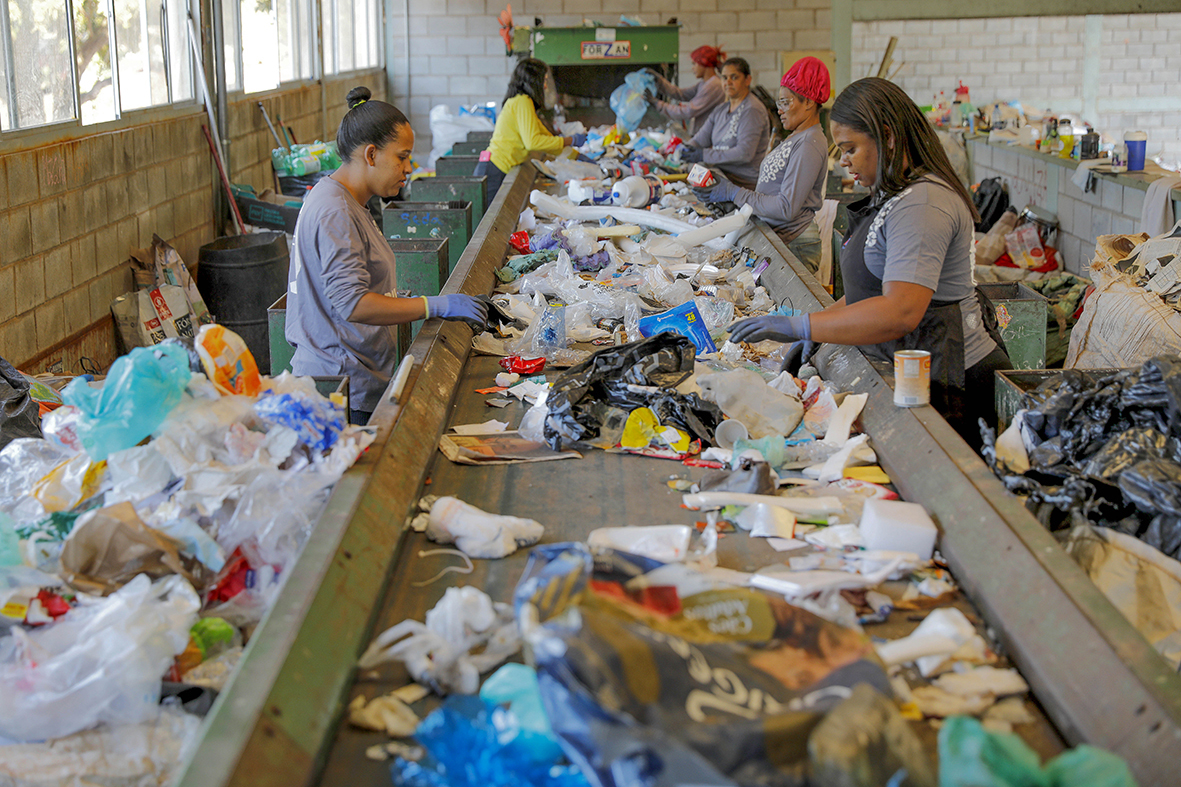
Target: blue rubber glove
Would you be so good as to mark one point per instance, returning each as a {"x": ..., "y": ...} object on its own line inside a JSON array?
[
  {"x": 780, "y": 329},
  {"x": 692, "y": 155},
  {"x": 796, "y": 356},
  {"x": 458, "y": 307},
  {"x": 577, "y": 140},
  {"x": 725, "y": 190}
]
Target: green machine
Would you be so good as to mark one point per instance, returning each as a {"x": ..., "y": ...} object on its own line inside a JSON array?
[
  {"x": 417, "y": 220},
  {"x": 590, "y": 62},
  {"x": 456, "y": 165}
]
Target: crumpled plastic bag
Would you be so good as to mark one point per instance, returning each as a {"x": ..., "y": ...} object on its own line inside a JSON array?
[
  {"x": 140, "y": 391},
  {"x": 639, "y": 374},
  {"x": 441, "y": 654},
  {"x": 472, "y": 742},
  {"x": 745, "y": 396},
  {"x": 109, "y": 547},
  {"x": 971, "y": 756},
  {"x": 20, "y": 416},
  {"x": 479, "y": 533},
  {"x": 102, "y": 662},
  {"x": 316, "y": 420},
  {"x": 627, "y": 101}
]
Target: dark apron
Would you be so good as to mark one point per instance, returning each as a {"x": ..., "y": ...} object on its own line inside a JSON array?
[{"x": 940, "y": 332}]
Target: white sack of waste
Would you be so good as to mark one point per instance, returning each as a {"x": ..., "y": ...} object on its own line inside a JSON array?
[{"x": 479, "y": 533}]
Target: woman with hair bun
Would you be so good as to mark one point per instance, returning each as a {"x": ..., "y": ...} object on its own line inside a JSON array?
[
  {"x": 697, "y": 101},
  {"x": 906, "y": 261},
  {"x": 519, "y": 131},
  {"x": 341, "y": 286}
]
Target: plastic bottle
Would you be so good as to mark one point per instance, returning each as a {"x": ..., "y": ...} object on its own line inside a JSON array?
[
  {"x": 637, "y": 191},
  {"x": 998, "y": 121},
  {"x": 304, "y": 165},
  {"x": 1066, "y": 135}
]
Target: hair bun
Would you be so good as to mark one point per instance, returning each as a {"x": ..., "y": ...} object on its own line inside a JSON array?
[{"x": 358, "y": 95}]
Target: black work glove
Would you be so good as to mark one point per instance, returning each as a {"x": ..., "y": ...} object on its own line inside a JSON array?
[{"x": 798, "y": 354}]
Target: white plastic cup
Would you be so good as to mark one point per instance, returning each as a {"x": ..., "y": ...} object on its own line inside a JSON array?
[
  {"x": 1137, "y": 142},
  {"x": 730, "y": 432}
]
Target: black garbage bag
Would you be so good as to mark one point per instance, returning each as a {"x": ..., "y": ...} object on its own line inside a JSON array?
[
  {"x": 20, "y": 416},
  {"x": 1106, "y": 452},
  {"x": 639, "y": 374},
  {"x": 991, "y": 201}
]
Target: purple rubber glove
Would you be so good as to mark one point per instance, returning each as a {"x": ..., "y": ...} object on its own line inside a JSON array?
[
  {"x": 458, "y": 307},
  {"x": 724, "y": 190},
  {"x": 577, "y": 140},
  {"x": 691, "y": 155},
  {"x": 780, "y": 329}
]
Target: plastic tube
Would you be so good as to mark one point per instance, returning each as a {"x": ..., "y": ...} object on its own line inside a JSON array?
[
  {"x": 563, "y": 209},
  {"x": 732, "y": 223},
  {"x": 797, "y": 505}
]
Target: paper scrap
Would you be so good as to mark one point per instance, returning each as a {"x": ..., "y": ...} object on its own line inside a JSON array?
[{"x": 491, "y": 426}]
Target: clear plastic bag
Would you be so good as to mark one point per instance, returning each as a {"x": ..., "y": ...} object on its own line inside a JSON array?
[
  {"x": 275, "y": 514},
  {"x": 627, "y": 101},
  {"x": 140, "y": 391},
  {"x": 102, "y": 662},
  {"x": 744, "y": 395},
  {"x": 22, "y": 463}
]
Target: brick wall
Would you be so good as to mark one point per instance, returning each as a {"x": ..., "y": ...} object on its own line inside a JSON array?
[
  {"x": 70, "y": 213},
  {"x": 1039, "y": 61},
  {"x": 456, "y": 55}
]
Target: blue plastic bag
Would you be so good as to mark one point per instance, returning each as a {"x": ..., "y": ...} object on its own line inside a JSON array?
[
  {"x": 140, "y": 391},
  {"x": 684, "y": 320},
  {"x": 627, "y": 101},
  {"x": 474, "y": 743}
]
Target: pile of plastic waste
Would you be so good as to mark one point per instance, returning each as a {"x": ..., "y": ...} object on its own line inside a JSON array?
[{"x": 143, "y": 536}]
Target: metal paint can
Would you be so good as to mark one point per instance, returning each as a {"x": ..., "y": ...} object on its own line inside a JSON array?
[{"x": 912, "y": 378}]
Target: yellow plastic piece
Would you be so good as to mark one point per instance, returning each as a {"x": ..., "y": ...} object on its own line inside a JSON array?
[
  {"x": 640, "y": 429},
  {"x": 871, "y": 473}
]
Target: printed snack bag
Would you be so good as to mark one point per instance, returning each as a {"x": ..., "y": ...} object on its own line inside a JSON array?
[{"x": 228, "y": 363}]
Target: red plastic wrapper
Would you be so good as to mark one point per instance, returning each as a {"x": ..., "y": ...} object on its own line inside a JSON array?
[
  {"x": 668, "y": 147},
  {"x": 515, "y": 363},
  {"x": 520, "y": 241}
]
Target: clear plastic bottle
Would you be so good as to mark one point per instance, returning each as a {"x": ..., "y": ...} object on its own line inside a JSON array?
[{"x": 637, "y": 191}]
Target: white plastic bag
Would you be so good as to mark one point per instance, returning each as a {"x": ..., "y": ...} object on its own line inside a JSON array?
[
  {"x": 743, "y": 394},
  {"x": 447, "y": 129},
  {"x": 102, "y": 662}
]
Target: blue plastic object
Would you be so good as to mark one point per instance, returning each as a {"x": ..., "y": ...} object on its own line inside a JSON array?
[
  {"x": 140, "y": 391},
  {"x": 473, "y": 743},
  {"x": 515, "y": 686},
  {"x": 627, "y": 101},
  {"x": 684, "y": 320},
  {"x": 317, "y": 421}
]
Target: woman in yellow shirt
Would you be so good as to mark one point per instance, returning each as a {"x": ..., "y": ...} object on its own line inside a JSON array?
[{"x": 518, "y": 129}]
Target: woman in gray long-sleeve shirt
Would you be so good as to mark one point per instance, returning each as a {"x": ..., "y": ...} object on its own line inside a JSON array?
[
  {"x": 735, "y": 136},
  {"x": 697, "y": 101},
  {"x": 791, "y": 179}
]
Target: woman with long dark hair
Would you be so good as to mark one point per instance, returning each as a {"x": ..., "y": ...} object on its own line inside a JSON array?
[
  {"x": 698, "y": 101},
  {"x": 518, "y": 130},
  {"x": 341, "y": 285},
  {"x": 907, "y": 259}
]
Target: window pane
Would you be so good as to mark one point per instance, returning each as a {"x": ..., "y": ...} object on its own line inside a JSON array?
[
  {"x": 328, "y": 30},
  {"x": 345, "y": 20},
  {"x": 232, "y": 45},
  {"x": 38, "y": 67},
  {"x": 139, "y": 43},
  {"x": 260, "y": 46},
  {"x": 295, "y": 39},
  {"x": 179, "y": 55},
  {"x": 92, "y": 47}
]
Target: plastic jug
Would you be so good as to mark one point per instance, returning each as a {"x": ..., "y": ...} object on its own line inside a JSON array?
[{"x": 637, "y": 191}]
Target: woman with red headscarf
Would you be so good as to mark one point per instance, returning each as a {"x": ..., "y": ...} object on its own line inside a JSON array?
[
  {"x": 791, "y": 177},
  {"x": 697, "y": 101}
]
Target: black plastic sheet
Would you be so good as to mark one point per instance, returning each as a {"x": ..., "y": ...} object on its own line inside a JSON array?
[
  {"x": 639, "y": 374},
  {"x": 1106, "y": 451},
  {"x": 20, "y": 416}
]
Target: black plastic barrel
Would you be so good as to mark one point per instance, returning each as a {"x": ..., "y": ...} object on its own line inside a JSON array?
[{"x": 239, "y": 277}]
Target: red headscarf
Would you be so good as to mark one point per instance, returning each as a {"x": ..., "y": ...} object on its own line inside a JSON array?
[
  {"x": 808, "y": 78},
  {"x": 708, "y": 56}
]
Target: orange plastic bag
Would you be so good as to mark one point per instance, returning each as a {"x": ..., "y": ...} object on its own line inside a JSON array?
[{"x": 228, "y": 362}]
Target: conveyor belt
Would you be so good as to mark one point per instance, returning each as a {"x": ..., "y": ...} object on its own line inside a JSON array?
[{"x": 1096, "y": 677}]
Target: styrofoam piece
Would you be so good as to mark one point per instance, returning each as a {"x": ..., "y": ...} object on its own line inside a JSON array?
[
  {"x": 818, "y": 506},
  {"x": 793, "y": 584},
  {"x": 898, "y": 526},
  {"x": 666, "y": 543},
  {"x": 842, "y": 420}
]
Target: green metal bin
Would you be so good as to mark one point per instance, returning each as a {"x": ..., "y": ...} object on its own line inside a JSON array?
[
  {"x": 456, "y": 166},
  {"x": 453, "y": 189},
  {"x": 417, "y": 220},
  {"x": 1021, "y": 316}
]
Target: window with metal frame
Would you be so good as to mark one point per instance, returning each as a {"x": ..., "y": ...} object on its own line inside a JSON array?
[
  {"x": 278, "y": 43},
  {"x": 352, "y": 35}
]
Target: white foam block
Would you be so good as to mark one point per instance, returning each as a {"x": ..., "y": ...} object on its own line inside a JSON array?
[{"x": 899, "y": 526}]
